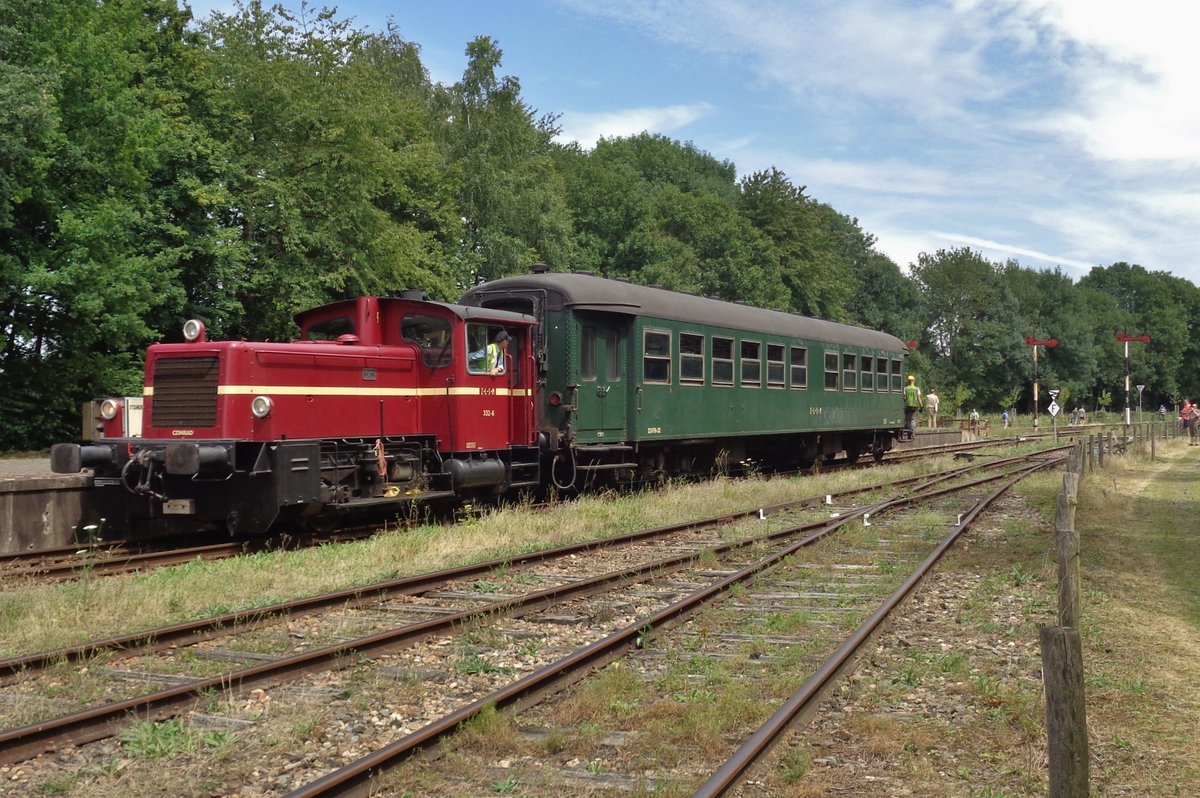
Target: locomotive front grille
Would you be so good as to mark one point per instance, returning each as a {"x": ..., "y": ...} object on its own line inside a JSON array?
[{"x": 185, "y": 392}]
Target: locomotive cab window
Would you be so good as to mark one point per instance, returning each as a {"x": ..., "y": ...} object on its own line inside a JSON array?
[
  {"x": 722, "y": 361},
  {"x": 489, "y": 349},
  {"x": 751, "y": 364},
  {"x": 656, "y": 356},
  {"x": 691, "y": 359},
  {"x": 329, "y": 329},
  {"x": 774, "y": 365},
  {"x": 432, "y": 335},
  {"x": 799, "y": 367},
  {"x": 831, "y": 371}
]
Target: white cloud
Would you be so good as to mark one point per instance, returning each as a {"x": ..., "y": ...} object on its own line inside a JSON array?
[
  {"x": 992, "y": 249},
  {"x": 587, "y": 129}
]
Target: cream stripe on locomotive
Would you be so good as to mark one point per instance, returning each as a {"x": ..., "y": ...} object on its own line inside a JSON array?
[{"x": 344, "y": 390}]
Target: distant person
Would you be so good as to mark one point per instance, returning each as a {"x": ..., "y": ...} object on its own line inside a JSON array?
[
  {"x": 1162, "y": 412},
  {"x": 1082, "y": 415},
  {"x": 931, "y": 407},
  {"x": 913, "y": 402},
  {"x": 1192, "y": 423},
  {"x": 974, "y": 417},
  {"x": 1004, "y": 418}
]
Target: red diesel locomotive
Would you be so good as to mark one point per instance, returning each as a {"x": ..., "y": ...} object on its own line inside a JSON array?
[{"x": 382, "y": 401}]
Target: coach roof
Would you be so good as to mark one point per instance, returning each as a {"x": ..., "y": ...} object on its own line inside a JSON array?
[{"x": 588, "y": 292}]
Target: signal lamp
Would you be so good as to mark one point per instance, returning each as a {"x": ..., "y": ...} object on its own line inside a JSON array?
[{"x": 555, "y": 399}]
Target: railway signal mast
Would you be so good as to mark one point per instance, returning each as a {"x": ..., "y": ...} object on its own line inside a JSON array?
[
  {"x": 1137, "y": 339},
  {"x": 1035, "y": 343}
]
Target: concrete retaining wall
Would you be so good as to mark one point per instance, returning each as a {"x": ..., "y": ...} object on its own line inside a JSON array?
[{"x": 40, "y": 512}]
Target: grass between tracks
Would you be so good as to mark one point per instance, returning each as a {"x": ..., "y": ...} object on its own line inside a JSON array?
[{"x": 40, "y": 617}]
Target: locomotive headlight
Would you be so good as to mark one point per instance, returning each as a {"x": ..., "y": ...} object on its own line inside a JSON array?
[
  {"x": 261, "y": 406},
  {"x": 193, "y": 330},
  {"x": 108, "y": 409}
]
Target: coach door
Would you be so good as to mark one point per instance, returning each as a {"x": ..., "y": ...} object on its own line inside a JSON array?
[{"x": 602, "y": 379}]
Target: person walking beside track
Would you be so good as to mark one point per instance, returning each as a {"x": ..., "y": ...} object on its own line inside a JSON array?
[
  {"x": 931, "y": 407},
  {"x": 913, "y": 402},
  {"x": 1191, "y": 419}
]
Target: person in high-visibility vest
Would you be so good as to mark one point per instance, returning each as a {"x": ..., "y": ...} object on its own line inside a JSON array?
[
  {"x": 496, "y": 352},
  {"x": 913, "y": 402}
]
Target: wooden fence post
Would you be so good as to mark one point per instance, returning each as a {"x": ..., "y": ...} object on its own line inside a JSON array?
[
  {"x": 1068, "y": 551},
  {"x": 1066, "y": 717}
]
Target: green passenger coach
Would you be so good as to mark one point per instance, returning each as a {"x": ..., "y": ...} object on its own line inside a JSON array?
[{"x": 639, "y": 381}]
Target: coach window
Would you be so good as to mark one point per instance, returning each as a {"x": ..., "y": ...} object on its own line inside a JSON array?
[
  {"x": 432, "y": 335},
  {"x": 799, "y": 367},
  {"x": 330, "y": 329},
  {"x": 868, "y": 376},
  {"x": 656, "y": 356},
  {"x": 831, "y": 371},
  {"x": 612, "y": 352},
  {"x": 691, "y": 359},
  {"x": 881, "y": 368},
  {"x": 849, "y": 372},
  {"x": 722, "y": 361},
  {"x": 587, "y": 354},
  {"x": 775, "y": 366},
  {"x": 751, "y": 364},
  {"x": 897, "y": 370}
]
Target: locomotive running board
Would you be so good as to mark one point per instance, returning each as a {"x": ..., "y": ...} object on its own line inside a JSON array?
[
  {"x": 605, "y": 466},
  {"x": 355, "y": 505}
]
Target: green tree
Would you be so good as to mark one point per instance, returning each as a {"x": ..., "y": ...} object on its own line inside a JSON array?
[
  {"x": 970, "y": 336},
  {"x": 1049, "y": 305},
  {"x": 339, "y": 181},
  {"x": 109, "y": 187},
  {"x": 818, "y": 249},
  {"x": 661, "y": 212},
  {"x": 1147, "y": 303},
  {"x": 511, "y": 195},
  {"x": 885, "y": 299}
]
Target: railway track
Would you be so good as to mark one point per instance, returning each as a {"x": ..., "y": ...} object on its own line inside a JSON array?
[
  {"x": 451, "y": 606},
  {"x": 115, "y": 558}
]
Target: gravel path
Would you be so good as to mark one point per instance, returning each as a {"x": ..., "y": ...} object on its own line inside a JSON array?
[{"x": 24, "y": 467}]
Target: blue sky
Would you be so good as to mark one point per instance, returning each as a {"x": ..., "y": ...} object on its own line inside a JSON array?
[{"x": 1055, "y": 132}]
